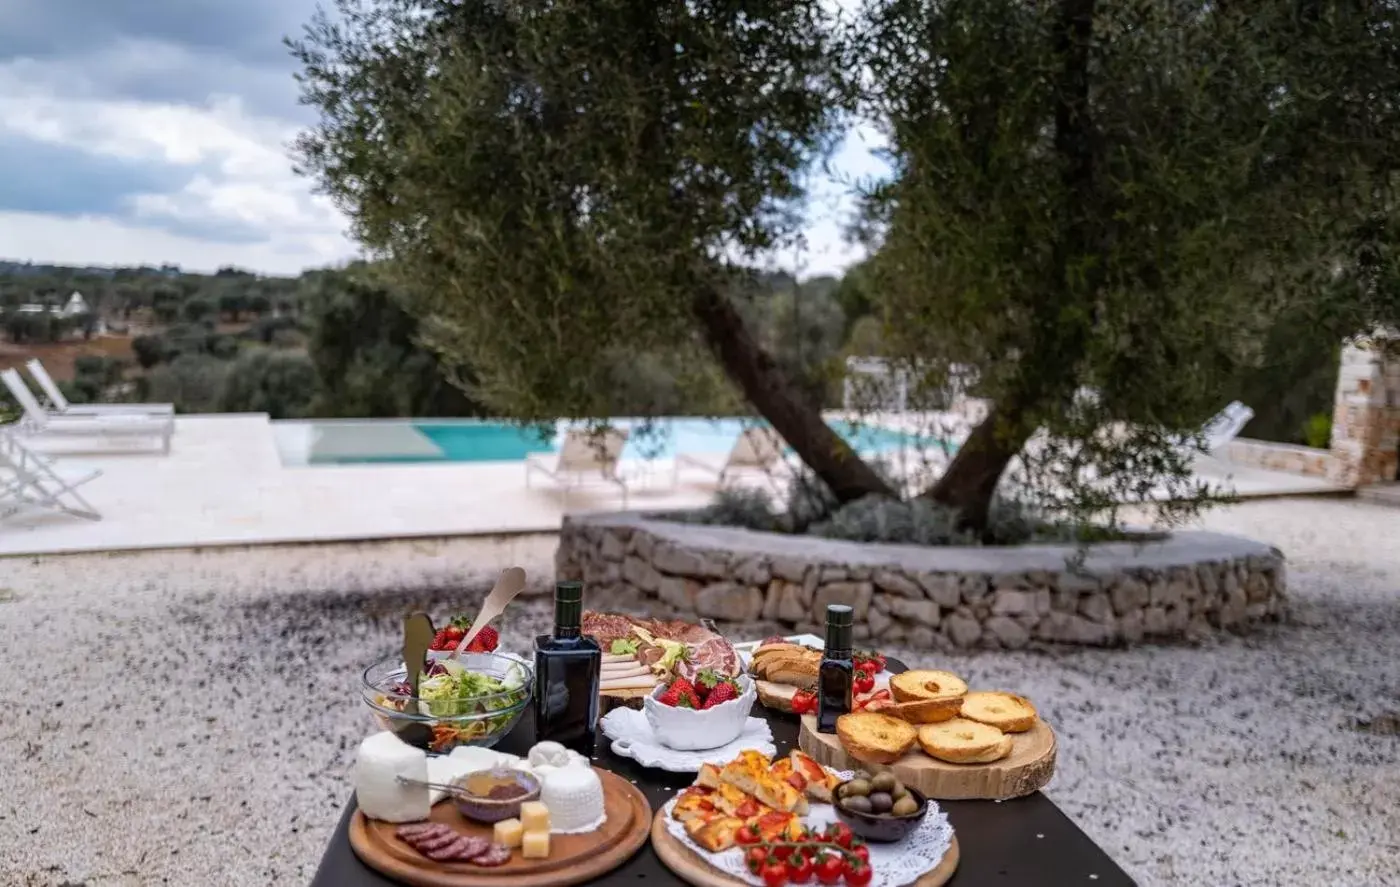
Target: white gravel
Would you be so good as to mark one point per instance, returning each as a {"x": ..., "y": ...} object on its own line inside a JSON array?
[{"x": 187, "y": 718}]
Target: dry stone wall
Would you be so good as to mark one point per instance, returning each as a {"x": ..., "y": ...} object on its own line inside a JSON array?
[{"x": 1188, "y": 584}]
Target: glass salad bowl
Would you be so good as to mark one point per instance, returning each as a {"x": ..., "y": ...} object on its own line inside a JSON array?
[{"x": 475, "y": 701}]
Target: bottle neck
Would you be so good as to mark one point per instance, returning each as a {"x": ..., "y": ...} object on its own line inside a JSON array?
[{"x": 568, "y": 618}]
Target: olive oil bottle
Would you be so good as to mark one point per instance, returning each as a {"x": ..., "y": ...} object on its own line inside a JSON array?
[
  {"x": 568, "y": 668},
  {"x": 836, "y": 676}
]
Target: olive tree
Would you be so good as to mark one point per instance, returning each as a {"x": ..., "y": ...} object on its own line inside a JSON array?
[
  {"x": 556, "y": 181},
  {"x": 1116, "y": 198}
]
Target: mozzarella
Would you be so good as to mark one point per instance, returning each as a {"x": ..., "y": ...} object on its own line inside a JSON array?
[
  {"x": 551, "y": 753},
  {"x": 574, "y": 796},
  {"x": 382, "y": 758}
]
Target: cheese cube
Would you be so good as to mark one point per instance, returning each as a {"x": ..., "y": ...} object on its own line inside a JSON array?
[
  {"x": 507, "y": 833},
  {"x": 535, "y": 845},
  {"x": 534, "y": 817}
]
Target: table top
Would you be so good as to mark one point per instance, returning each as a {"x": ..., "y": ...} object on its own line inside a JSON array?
[{"x": 1025, "y": 842}]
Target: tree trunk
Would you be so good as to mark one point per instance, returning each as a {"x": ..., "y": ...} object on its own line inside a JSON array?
[
  {"x": 972, "y": 477},
  {"x": 775, "y": 398}
]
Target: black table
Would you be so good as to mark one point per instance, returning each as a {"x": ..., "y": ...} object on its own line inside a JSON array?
[{"x": 1025, "y": 842}]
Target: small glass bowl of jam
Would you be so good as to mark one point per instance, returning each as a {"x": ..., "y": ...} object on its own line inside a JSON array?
[{"x": 494, "y": 795}]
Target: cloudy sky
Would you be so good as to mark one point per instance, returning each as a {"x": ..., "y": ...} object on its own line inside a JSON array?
[{"x": 155, "y": 131}]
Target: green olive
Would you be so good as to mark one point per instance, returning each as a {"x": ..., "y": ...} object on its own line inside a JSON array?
[
  {"x": 857, "y": 804},
  {"x": 856, "y": 788},
  {"x": 899, "y": 792},
  {"x": 862, "y": 774},
  {"x": 881, "y": 802},
  {"x": 905, "y": 806},
  {"x": 883, "y": 782}
]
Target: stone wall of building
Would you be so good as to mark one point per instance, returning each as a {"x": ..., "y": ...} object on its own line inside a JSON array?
[
  {"x": 1282, "y": 457},
  {"x": 1366, "y": 415},
  {"x": 1188, "y": 584}
]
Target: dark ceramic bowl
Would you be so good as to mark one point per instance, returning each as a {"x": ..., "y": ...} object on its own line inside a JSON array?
[
  {"x": 488, "y": 810},
  {"x": 883, "y": 828}
]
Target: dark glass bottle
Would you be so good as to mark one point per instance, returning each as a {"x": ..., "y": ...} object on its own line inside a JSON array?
[
  {"x": 568, "y": 667},
  {"x": 836, "y": 677}
]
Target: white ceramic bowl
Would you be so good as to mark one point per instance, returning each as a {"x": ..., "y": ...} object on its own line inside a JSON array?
[{"x": 688, "y": 729}]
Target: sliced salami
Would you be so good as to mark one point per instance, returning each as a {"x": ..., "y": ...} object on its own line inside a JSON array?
[
  {"x": 426, "y": 845},
  {"x": 496, "y": 854},
  {"x": 450, "y": 851},
  {"x": 414, "y": 829},
  {"x": 470, "y": 848}
]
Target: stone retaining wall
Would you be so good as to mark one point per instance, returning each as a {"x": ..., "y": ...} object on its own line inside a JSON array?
[
  {"x": 1283, "y": 457},
  {"x": 1185, "y": 585}
]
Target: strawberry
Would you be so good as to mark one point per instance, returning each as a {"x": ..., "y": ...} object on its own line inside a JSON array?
[
  {"x": 722, "y": 693},
  {"x": 677, "y": 697},
  {"x": 440, "y": 641},
  {"x": 684, "y": 686},
  {"x": 485, "y": 642}
]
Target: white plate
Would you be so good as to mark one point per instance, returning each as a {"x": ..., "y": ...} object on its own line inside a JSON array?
[{"x": 632, "y": 737}]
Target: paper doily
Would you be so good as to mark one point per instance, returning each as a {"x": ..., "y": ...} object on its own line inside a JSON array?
[
  {"x": 892, "y": 864},
  {"x": 632, "y": 737}
]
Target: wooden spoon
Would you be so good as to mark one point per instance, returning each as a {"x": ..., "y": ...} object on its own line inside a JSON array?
[{"x": 510, "y": 584}]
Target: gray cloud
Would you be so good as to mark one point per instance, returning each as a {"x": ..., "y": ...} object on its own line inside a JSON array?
[{"x": 65, "y": 181}]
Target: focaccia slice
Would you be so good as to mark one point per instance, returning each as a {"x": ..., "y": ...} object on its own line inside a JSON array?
[
  {"x": 750, "y": 773},
  {"x": 708, "y": 776},
  {"x": 695, "y": 802},
  {"x": 821, "y": 782},
  {"x": 716, "y": 835},
  {"x": 775, "y": 825}
]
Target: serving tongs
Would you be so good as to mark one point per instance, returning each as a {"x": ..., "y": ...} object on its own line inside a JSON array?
[{"x": 449, "y": 788}]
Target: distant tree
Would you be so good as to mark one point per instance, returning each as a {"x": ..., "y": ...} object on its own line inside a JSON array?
[
  {"x": 367, "y": 356},
  {"x": 194, "y": 383},
  {"x": 233, "y": 304},
  {"x": 259, "y": 304},
  {"x": 279, "y": 383},
  {"x": 149, "y": 350},
  {"x": 197, "y": 309}
]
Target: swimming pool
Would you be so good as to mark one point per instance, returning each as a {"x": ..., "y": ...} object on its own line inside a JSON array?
[{"x": 399, "y": 441}]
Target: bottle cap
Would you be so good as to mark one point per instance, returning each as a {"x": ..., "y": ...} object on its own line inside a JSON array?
[
  {"x": 839, "y": 614},
  {"x": 568, "y": 606},
  {"x": 838, "y": 627},
  {"x": 569, "y": 592}
]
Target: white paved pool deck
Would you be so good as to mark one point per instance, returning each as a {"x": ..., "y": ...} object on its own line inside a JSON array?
[{"x": 224, "y": 483}]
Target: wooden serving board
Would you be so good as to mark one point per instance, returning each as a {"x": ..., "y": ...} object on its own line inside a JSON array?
[
  {"x": 611, "y": 699},
  {"x": 1026, "y": 770},
  {"x": 692, "y": 868},
  {"x": 572, "y": 858}
]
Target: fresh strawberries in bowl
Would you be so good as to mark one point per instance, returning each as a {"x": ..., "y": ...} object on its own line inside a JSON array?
[
  {"x": 450, "y": 635},
  {"x": 706, "y": 713}
]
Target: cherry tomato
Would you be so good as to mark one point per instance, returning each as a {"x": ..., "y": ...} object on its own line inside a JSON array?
[
  {"x": 746, "y": 835},
  {"x": 774, "y": 874},
  {"x": 800, "y": 868},
  {"x": 804, "y": 702},
  {"x": 857, "y": 872},
  {"x": 780, "y": 851},
  {"x": 755, "y": 858},
  {"x": 859, "y": 849},
  {"x": 829, "y": 868},
  {"x": 841, "y": 834},
  {"x": 864, "y": 683}
]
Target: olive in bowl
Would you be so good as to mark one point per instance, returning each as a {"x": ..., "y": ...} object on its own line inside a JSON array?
[{"x": 879, "y": 808}]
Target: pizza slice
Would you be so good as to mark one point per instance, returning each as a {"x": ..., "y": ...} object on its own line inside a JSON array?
[{"x": 820, "y": 781}]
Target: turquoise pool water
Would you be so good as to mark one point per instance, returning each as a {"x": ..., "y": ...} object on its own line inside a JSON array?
[{"x": 352, "y": 443}]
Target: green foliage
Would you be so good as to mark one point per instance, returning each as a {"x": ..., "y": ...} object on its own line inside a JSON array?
[
  {"x": 194, "y": 383},
  {"x": 1317, "y": 431},
  {"x": 553, "y": 182},
  {"x": 196, "y": 310},
  {"x": 365, "y": 352},
  {"x": 149, "y": 350},
  {"x": 93, "y": 376},
  {"x": 279, "y": 383}
]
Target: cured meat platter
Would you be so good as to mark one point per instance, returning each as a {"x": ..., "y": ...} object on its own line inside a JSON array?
[
  {"x": 638, "y": 653},
  {"x": 572, "y": 858}
]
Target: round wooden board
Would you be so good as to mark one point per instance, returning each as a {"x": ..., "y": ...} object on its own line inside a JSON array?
[
  {"x": 692, "y": 868},
  {"x": 572, "y": 858},
  {"x": 611, "y": 699},
  {"x": 1026, "y": 770}
]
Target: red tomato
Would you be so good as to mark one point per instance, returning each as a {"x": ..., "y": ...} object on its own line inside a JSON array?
[
  {"x": 803, "y": 702},
  {"x": 841, "y": 834},
  {"x": 857, "y": 873},
  {"x": 774, "y": 874},
  {"x": 755, "y": 858},
  {"x": 865, "y": 683},
  {"x": 780, "y": 851},
  {"x": 746, "y": 835},
  {"x": 829, "y": 868},
  {"x": 859, "y": 849},
  {"x": 799, "y": 868}
]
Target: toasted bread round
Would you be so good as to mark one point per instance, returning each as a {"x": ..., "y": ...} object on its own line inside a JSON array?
[
  {"x": 911, "y": 686},
  {"x": 1007, "y": 712},
  {"x": 925, "y": 711},
  {"x": 875, "y": 738},
  {"x": 961, "y": 741}
]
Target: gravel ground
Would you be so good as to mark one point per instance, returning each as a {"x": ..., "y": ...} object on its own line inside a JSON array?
[{"x": 196, "y": 712}]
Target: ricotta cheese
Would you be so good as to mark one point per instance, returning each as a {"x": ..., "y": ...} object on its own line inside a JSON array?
[
  {"x": 382, "y": 758},
  {"x": 574, "y": 796}
]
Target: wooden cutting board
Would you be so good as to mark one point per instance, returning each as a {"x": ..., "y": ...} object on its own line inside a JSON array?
[
  {"x": 1026, "y": 770},
  {"x": 692, "y": 868},
  {"x": 572, "y": 858}
]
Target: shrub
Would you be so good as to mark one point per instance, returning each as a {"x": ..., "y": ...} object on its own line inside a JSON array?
[
  {"x": 1317, "y": 431},
  {"x": 278, "y": 383},
  {"x": 193, "y": 382}
]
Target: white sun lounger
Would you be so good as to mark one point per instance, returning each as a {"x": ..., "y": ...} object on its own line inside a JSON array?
[
  {"x": 128, "y": 426},
  {"x": 756, "y": 449},
  {"x": 59, "y": 404},
  {"x": 584, "y": 457},
  {"x": 1225, "y": 426},
  {"x": 32, "y": 480}
]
